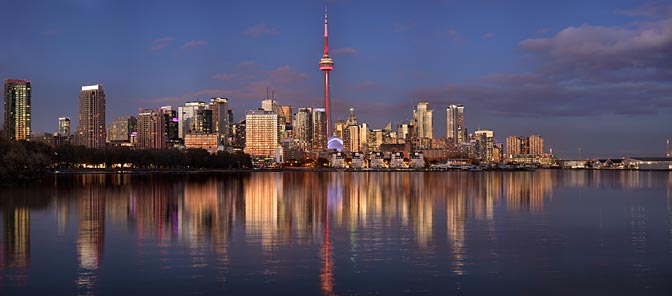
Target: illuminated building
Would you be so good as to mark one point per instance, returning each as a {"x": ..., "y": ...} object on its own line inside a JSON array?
[
  {"x": 261, "y": 133},
  {"x": 17, "y": 109},
  {"x": 270, "y": 105},
  {"x": 286, "y": 113},
  {"x": 319, "y": 129},
  {"x": 536, "y": 145},
  {"x": 187, "y": 117},
  {"x": 122, "y": 129},
  {"x": 220, "y": 118},
  {"x": 171, "y": 126},
  {"x": 485, "y": 142},
  {"x": 64, "y": 126},
  {"x": 151, "y": 127},
  {"x": 202, "y": 141},
  {"x": 91, "y": 129},
  {"x": 351, "y": 133},
  {"x": 456, "y": 132},
  {"x": 303, "y": 128},
  {"x": 423, "y": 119},
  {"x": 513, "y": 145}
]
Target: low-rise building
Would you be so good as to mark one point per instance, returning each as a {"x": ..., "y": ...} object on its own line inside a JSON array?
[
  {"x": 417, "y": 160},
  {"x": 358, "y": 160},
  {"x": 377, "y": 160},
  {"x": 208, "y": 142},
  {"x": 397, "y": 160},
  {"x": 648, "y": 163},
  {"x": 338, "y": 159}
]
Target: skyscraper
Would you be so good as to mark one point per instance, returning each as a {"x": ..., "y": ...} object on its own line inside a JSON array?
[
  {"x": 513, "y": 145},
  {"x": 536, "y": 143},
  {"x": 64, "y": 126},
  {"x": 151, "y": 129},
  {"x": 170, "y": 120},
  {"x": 270, "y": 105},
  {"x": 91, "y": 129},
  {"x": 423, "y": 117},
  {"x": 220, "y": 118},
  {"x": 17, "y": 109},
  {"x": 261, "y": 133},
  {"x": 303, "y": 128},
  {"x": 485, "y": 144},
  {"x": 187, "y": 116},
  {"x": 351, "y": 133},
  {"x": 455, "y": 130},
  {"x": 319, "y": 129}
]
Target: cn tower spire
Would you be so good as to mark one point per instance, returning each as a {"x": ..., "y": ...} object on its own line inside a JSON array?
[
  {"x": 326, "y": 32},
  {"x": 326, "y": 65}
]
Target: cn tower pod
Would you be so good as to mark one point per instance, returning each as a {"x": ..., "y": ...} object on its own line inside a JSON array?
[{"x": 326, "y": 63}]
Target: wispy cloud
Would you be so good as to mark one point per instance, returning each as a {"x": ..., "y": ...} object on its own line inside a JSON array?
[
  {"x": 161, "y": 43},
  {"x": 224, "y": 76},
  {"x": 259, "y": 30},
  {"x": 489, "y": 35},
  {"x": 452, "y": 34},
  {"x": 344, "y": 51},
  {"x": 368, "y": 84},
  {"x": 194, "y": 44}
]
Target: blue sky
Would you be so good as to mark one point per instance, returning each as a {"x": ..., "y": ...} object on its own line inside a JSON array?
[{"x": 590, "y": 74}]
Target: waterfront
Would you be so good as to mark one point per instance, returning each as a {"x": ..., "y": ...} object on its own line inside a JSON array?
[{"x": 547, "y": 231}]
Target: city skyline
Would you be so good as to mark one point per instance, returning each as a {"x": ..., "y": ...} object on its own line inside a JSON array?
[{"x": 534, "y": 84}]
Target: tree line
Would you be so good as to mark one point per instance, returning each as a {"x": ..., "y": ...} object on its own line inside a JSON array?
[{"x": 24, "y": 161}]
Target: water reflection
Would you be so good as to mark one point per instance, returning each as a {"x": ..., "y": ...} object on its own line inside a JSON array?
[{"x": 436, "y": 222}]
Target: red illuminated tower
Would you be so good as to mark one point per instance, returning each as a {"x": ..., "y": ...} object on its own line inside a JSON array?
[{"x": 326, "y": 65}]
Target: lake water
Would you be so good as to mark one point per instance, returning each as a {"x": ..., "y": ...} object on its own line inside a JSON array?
[{"x": 340, "y": 233}]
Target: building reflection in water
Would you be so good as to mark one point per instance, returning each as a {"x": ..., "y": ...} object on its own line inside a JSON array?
[
  {"x": 90, "y": 231},
  {"x": 16, "y": 244}
]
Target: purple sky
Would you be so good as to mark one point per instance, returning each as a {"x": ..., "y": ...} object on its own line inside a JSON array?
[{"x": 590, "y": 74}]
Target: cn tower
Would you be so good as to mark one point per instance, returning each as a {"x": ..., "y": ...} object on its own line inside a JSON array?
[{"x": 326, "y": 65}]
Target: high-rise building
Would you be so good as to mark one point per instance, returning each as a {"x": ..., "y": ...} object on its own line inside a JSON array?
[
  {"x": 513, "y": 145},
  {"x": 286, "y": 113},
  {"x": 319, "y": 129},
  {"x": 64, "y": 126},
  {"x": 423, "y": 118},
  {"x": 187, "y": 117},
  {"x": 220, "y": 118},
  {"x": 536, "y": 143},
  {"x": 122, "y": 129},
  {"x": 456, "y": 132},
  {"x": 261, "y": 133},
  {"x": 151, "y": 129},
  {"x": 485, "y": 141},
  {"x": 91, "y": 128},
  {"x": 17, "y": 109},
  {"x": 171, "y": 122},
  {"x": 351, "y": 133},
  {"x": 364, "y": 137},
  {"x": 203, "y": 122},
  {"x": 270, "y": 105},
  {"x": 303, "y": 128}
]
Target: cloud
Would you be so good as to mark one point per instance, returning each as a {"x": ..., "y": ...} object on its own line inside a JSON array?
[
  {"x": 224, "y": 77},
  {"x": 260, "y": 30},
  {"x": 194, "y": 44},
  {"x": 451, "y": 34},
  {"x": 161, "y": 43},
  {"x": 580, "y": 71},
  {"x": 368, "y": 84},
  {"x": 344, "y": 51},
  {"x": 542, "y": 31},
  {"x": 488, "y": 35}
]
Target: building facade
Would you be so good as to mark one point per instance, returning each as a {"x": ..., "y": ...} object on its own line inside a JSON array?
[
  {"x": 91, "y": 129},
  {"x": 17, "y": 109},
  {"x": 261, "y": 133},
  {"x": 456, "y": 131},
  {"x": 151, "y": 130}
]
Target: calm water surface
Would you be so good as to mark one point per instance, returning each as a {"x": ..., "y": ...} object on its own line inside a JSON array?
[{"x": 544, "y": 232}]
